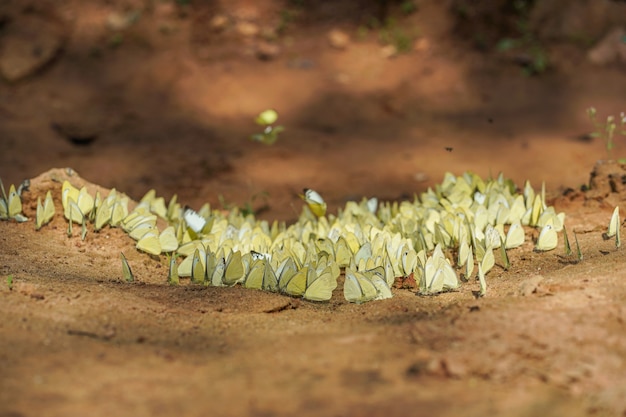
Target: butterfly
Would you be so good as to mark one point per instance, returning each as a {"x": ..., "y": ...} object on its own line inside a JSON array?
[
  {"x": 198, "y": 271},
  {"x": 482, "y": 282},
  {"x": 73, "y": 213},
  {"x": 488, "y": 260},
  {"x": 261, "y": 276},
  {"x": 194, "y": 221},
  {"x": 438, "y": 274},
  {"x": 614, "y": 226},
  {"x": 377, "y": 277},
  {"x": 104, "y": 212},
  {"x": 168, "y": 240},
  {"x": 297, "y": 284},
  {"x": 515, "y": 236},
  {"x": 45, "y": 212},
  {"x": 150, "y": 242},
  {"x": 357, "y": 288},
  {"x": 314, "y": 201},
  {"x": 81, "y": 197},
  {"x": 14, "y": 203},
  {"x": 155, "y": 204},
  {"x": 126, "y": 271},
  {"x": 172, "y": 274},
  {"x": 234, "y": 271},
  {"x": 322, "y": 286},
  {"x": 547, "y": 239}
]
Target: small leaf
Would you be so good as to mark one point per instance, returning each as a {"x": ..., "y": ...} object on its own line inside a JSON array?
[{"x": 506, "y": 44}]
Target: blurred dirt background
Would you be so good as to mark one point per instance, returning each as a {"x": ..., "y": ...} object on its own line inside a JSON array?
[{"x": 378, "y": 98}]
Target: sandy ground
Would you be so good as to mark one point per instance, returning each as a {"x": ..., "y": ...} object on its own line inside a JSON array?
[{"x": 173, "y": 112}]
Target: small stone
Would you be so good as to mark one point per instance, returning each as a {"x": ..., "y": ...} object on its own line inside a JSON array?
[
  {"x": 120, "y": 21},
  {"x": 27, "y": 46},
  {"x": 165, "y": 9},
  {"x": 247, "y": 29},
  {"x": 612, "y": 48},
  {"x": 420, "y": 177},
  {"x": 388, "y": 51},
  {"x": 530, "y": 285},
  {"x": 267, "y": 51},
  {"x": 77, "y": 133},
  {"x": 218, "y": 23},
  {"x": 421, "y": 45},
  {"x": 338, "y": 39},
  {"x": 454, "y": 367}
]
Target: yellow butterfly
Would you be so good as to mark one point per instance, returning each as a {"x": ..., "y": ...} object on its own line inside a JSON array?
[
  {"x": 256, "y": 276},
  {"x": 73, "y": 213},
  {"x": 167, "y": 239},
  {"x": 4, "y": 203},
  {"x": 364, "y": 253},
  {"x": 150, "y": 243},
  {"x": 314, "y": 201},
  {"x": 83, "y": 232},
  {"x": 297, "y": 284},
  {"x": 438, "y": 274},
  {"x": 126, "y": 271},
  {"x": 173, "y": 209},
  {"x": 482, "y": 282},
  {"x": 103, "y": 214},
  {"x": 515, "y": 236},
  {"x": 81, "y": 197},
  {"x": 156, "y": 204},
  {"x": 172, "y": 275},
  {"x": 139, "y": 221},
  {"x": 234, "y": 271},
  {"x": 464, "y": 250},
  {"x": 216, "y": 277},
  {"x": 140, "y": 231},
  {"x": 321, "y": 288},
  {"x": 537, "y": 209},
  {"x": 85, "y": 201},
  {"x": 197, "y": 268},
  {"x": 343, "y": 254},
  {"x": 119, "y": 211},
  {"x": 488, "y": 261},
  {"x": 45, "y": 212},
  {"x": 547, "y": 239},
  {"x": 357, "y": 288},
  {"x": 469, "y": 265},
  {"x": 14, "y": 203},
  {"x": 377, "y": 277},
  {"x": 261, "y": 276}
]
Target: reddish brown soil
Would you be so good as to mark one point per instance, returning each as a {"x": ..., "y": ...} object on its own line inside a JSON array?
[{"x": 173, "y": 112}]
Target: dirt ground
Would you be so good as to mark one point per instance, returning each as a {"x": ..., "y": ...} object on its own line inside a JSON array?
[{"x": 168, "y": 102}]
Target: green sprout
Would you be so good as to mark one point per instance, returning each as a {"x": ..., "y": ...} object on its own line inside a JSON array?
[
  {"x": 266, "y": 119},
  {"x": 607, "y": 130},
  {"x": 10, "y": 282}
]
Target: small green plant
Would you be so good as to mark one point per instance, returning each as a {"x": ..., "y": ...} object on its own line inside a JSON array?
[
  {"x": 392, "y": 34},
  {"x": 266, "y": 120},
  {"x": 535, "y": 58},
  {"x": 10, "y": 282},
  {"x": 607, "y": 130}
]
